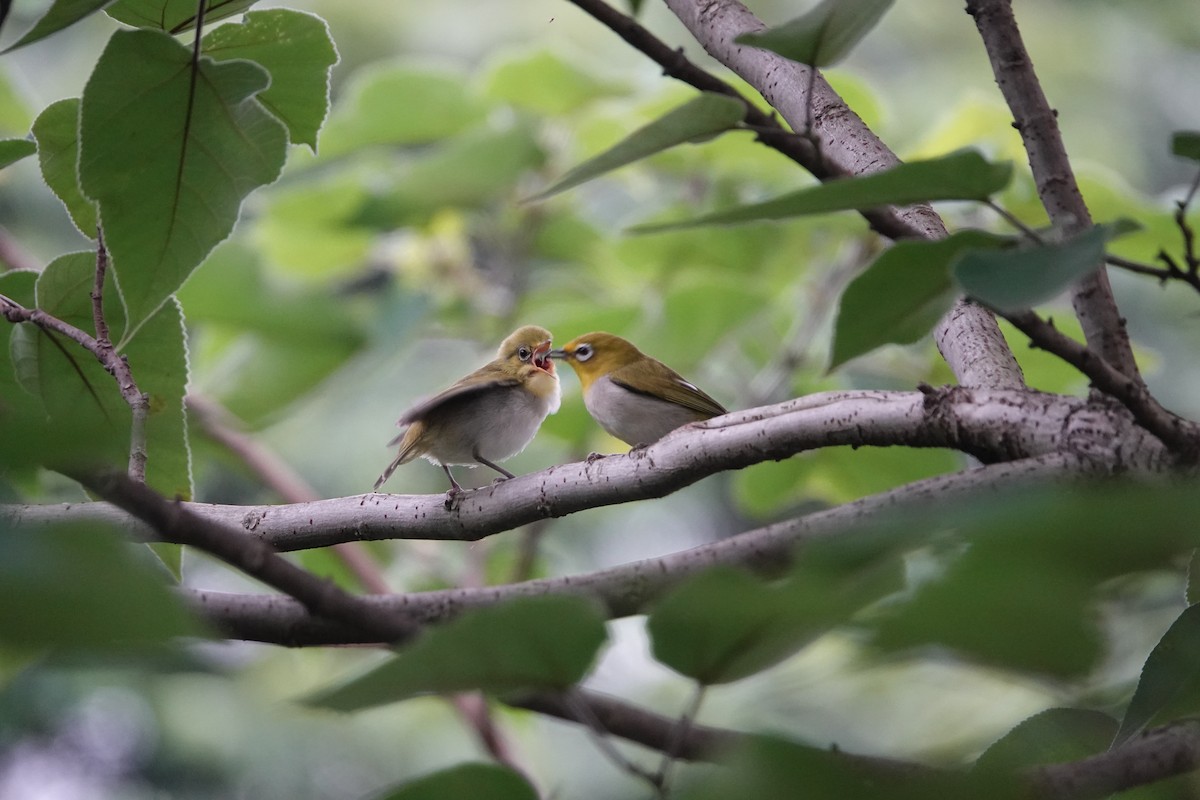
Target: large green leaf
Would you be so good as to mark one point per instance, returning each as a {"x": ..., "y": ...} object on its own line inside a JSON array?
[
  {"x": 297, "y": 50},
  {"x": 531, "y": 643},
  {"x": 965, "y": 175},
  {"x": 824, "y": 35},
  {"x": 1015, "y": 279},
  {"x": 1169, "y": 687},
  {"x": 13, "y": 150},
  {"x": 1022, "y": 594},
  {"x": 724, "y": 625},
  {"x": 57, "y": 132},
  {"x": 61, "y": 14},
  {"x": 705, "y": 116},
  {"x": 1050, "y": 737},
  {"x": 470, "y": 170},
  {"x": 769, "y": 768},
  {"x": 545, "y": 83},
  {"x": 82, "y": 587},
  {"x": 169, "y": 159},
  {"x": 173, "y": 16},
  {"x": 463, "y": 781},
  {"x": 902, "y": 295},
  {"x": 400, "y": 105},
  {"x": 1186, "y": 144}
]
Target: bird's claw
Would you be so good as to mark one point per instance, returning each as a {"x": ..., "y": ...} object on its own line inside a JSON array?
[
  {"x": 592, "y": 458},
  {"x": 452, "y": 495}
]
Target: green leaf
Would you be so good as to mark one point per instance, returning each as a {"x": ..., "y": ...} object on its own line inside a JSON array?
[
  {"x": 531, "y": 643},
  {"x": 61, "y": 14},
  {"x": 964, "y": 175},
  {"x": 724, "y": 625},
  {"x": 198, "y": 152},
  {"x": 769, "y": 768},
  {"x": 71, "y": 587},
  {"x": 400, "y": 105},
  {"x": 13, "y": 150},
  {"x": 824, "y": 35},
  {"x": 57, "y": 132},
  {"x": 1054, "y": 736},
  {"x": 297, "y": 50},
  {"x": 1015, "y": 279},
  {"x": 1169, "y": 687},
  {"x": 545, "y": 83},
  {"x": 21, "y": 413},
  {"x": 77, "y": 392},
  {"x": 465, "y": 780},
  {"x": 158, "y": 359},
  {"x": 470, "y": 170},
  {"x": 706, "y": 115},
  {"x": 1186, "y": 144},
  {"x": 1020, "y": 571},
  {"x": 901, "y": 295},
  {"x": 173, "y": 16}
]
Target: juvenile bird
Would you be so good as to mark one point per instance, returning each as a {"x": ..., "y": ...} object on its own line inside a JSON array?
[
  {"x": 634, "y": 397},
  {"x": 487, "y": 416}
]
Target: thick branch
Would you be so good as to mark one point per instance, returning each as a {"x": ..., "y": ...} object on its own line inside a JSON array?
[
  {"x": 1155, "y": 755},
  {"x": 993, "y": 426},
  {"x": 968, "y": 338},
  {"x": 1037, "y": 122},
  {"x": 627, "y": 589},
  {"x": 321, "y": 598}
]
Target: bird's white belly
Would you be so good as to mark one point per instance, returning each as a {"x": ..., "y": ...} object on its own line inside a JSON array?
[
  {"x": 496, "y": 427},
  {"x": 631, "y": 417}
]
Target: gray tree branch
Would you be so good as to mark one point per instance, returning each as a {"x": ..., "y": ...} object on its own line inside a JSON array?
[
  {"x": 628, "y": 589},
  {"x": 991, "y": 425},
  {"x": 1103, "y": 326}
]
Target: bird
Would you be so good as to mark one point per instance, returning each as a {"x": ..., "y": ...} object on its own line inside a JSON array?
[
  {"x": 487, "y": 416},
  {"x": 634, "y": 397}
]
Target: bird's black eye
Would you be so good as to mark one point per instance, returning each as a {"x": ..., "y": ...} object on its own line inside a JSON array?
[
  {"x": 583, "y": 352},
  {"x": 524, "y": 352}
]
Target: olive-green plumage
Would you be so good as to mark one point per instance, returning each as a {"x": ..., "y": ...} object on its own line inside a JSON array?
[
  {"x": 487, "y": 416},
  {"x": 634, "y": 397}
]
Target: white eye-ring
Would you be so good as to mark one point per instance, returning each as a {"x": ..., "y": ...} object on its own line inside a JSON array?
[
  {"x": 583, "y": 352},
  {"x": 524, "y": 353}
]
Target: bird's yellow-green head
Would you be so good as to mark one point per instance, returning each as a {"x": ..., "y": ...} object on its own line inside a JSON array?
[
  {"x": 529, "y": 347},
  {"x": 596, "y": 354}
]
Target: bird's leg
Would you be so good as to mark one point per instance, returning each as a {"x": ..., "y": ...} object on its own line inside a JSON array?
[
  {"x": 496, "y": 467},
  {"x": 454, "y": 490}
]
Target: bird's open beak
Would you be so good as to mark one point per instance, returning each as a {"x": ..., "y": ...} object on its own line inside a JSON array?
[{"x": 542, "y": 355}]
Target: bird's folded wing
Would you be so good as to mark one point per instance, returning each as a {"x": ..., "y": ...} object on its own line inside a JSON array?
[
  {"x": 675, "y": 390},
  {"x": 485, "y": 379}
]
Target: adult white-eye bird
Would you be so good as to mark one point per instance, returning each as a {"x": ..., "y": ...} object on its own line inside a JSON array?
[
  {"x": 634, "y": 397},
  {"x": 487, "y": 416}
]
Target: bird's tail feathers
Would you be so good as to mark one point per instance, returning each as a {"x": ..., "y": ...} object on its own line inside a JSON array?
[{"x": 408, "y": 451}]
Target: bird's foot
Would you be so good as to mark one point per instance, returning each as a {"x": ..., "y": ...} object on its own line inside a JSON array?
[
  {"x": 498, "y": 480},
  {"x": 452, "y": 495},
  {"x": 592, "y": 458}
]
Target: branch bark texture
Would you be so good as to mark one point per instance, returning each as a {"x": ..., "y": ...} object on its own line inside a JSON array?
[{"x": 1103, "y": 326}]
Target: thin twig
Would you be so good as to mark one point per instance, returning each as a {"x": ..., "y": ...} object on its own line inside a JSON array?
[
  {"x": 675, "y": 744},
  {"x": 1013, "y": 220},
  {"x": 1180, "y": 436},
  {"x": 581, "y": 711},
  {"x": 114, "y": 364}
]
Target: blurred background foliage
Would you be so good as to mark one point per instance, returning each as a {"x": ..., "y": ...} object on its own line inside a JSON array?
[{"x": 390, "y": 262}]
